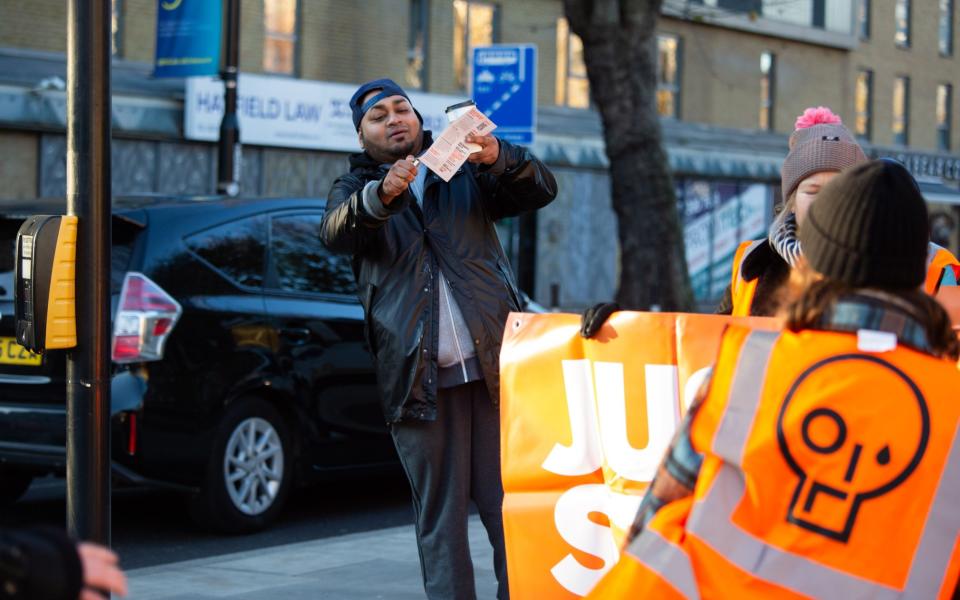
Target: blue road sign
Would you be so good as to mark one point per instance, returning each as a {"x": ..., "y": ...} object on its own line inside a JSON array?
[{"x": 504, "y": 87}]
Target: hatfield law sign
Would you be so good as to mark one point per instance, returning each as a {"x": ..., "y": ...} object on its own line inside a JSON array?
[{"x": 293, "y": 113}]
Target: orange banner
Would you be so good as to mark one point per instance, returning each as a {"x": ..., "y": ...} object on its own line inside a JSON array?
[{"x": 584, "y": 426}]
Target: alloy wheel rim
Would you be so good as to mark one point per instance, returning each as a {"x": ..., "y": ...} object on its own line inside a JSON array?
[{"x": 253, "y": 466}]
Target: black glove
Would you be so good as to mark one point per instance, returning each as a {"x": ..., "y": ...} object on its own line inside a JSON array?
[{"x": 594, "y": 317}]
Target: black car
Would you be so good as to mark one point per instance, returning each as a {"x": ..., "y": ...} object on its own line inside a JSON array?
[{"x": 239, "y": 362}]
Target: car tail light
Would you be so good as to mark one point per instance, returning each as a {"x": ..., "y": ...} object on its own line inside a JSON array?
[
  {"x": 132, "y": 434},
  {"x": 145, "y": 317}
]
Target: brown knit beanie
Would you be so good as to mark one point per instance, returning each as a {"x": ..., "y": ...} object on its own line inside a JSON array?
[
  {"x": 820, "y": 143},
  {"x": 869, "y": 228}
]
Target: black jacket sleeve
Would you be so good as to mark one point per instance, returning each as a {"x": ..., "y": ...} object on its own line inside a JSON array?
[
  {"x": 347, "y": 228},
  {"x": 518, "y": 182},
  {"x": 39, "y": 563}
]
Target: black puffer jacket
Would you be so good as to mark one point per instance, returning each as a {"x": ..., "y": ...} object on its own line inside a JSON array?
[{"x": 396, "y": 263}]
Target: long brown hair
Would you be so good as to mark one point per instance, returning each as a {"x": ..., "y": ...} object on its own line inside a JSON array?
[{"x": 809, "y": 296}]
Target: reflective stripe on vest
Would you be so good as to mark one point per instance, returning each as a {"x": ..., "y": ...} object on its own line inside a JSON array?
[
  {"x": 667, "y": 559},
  {"x": 741, "y": 290},
  {"x": 734, "y": 538},
  {"x": 745, "y": 394},
  {"x": 710, "y": 520},
  {"x": 938, "y": 258},
  {"x": 811, "y": 578}
]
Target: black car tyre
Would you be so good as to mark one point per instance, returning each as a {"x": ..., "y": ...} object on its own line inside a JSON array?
[
  {"x": 13, "y": 484},
  {"x": 249, "y": 473}
]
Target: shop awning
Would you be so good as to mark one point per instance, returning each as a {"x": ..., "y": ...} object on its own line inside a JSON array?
[{"x": 935, "y": 191}]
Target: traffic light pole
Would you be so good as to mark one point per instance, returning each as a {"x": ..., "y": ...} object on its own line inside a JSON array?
[
  {"x": 88, "y": 197},
  {"x": 229, "y": 152}
]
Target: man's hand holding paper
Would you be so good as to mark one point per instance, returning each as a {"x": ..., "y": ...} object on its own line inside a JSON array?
[
  {"x": 488, "y": 152},
  {"x": 450, "y": 151}
]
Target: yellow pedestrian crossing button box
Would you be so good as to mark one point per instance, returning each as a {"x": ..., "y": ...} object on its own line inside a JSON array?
[{"x": 45, "y": 291}]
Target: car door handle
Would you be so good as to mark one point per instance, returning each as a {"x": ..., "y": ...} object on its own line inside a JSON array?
[{"x": 296, "y": 335}]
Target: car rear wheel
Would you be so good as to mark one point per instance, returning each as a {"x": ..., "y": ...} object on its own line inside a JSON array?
[
  {"x": 249, "y": 473},
  {"x": 14, "y": 483}
]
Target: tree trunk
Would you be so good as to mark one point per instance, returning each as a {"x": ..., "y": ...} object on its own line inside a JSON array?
[{"x": 620, "y": 51}]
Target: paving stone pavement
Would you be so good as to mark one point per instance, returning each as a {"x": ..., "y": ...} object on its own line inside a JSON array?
[{"x": 373, "y": 565}]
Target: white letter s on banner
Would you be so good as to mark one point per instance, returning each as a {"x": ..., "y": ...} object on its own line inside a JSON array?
[{"x": 574, "y": 526}]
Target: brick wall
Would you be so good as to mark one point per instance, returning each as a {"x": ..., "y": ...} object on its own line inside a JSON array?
[
  {"x": 921, "y": 62},
  {"x": 18, "y": 168},
  {"x": 34, "y": 24},
  {"x": 353, "y": 41}
]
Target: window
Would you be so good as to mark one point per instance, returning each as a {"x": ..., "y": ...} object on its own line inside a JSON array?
[
  {"x": 863, "y": 18},
  {"x": 474, "y": 24},
  {"x": 819, "y": 19},
  {"x": 712, "y": 213},
  {"x": 668, "y": 76},
  {"x": 280, "y": 36},
  {"x": 946, "y": 27},
  {"x": 746, "y": 6},
  {"x": 301, "y": 263},
  {"x": 573, "y": 88},
  {"x": 863, "y": 102},
  {"x": 944, "y": 115},
  {"x": 902, "y": 13},
  {"x": 901, "y": 110},
  {"x": 236, "y": 249},
  {"x": 417, "y": 47},
  {"x": 768, "y": 67},
  {"x": 116, "y": 23}
]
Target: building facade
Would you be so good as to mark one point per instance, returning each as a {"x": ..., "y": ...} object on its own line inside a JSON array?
[{"x": 733, "y": 76}]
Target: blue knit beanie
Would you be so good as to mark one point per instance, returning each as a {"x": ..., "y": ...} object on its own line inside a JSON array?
[{"x": 387, "y": 87}]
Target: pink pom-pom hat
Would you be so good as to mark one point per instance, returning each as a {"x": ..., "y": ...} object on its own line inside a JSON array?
[
  {"x": 820, "y": 115},
  {"x": 819, "y": 143}
]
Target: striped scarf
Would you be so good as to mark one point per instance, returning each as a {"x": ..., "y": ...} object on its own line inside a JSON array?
[{"x": 783, "y": 237}]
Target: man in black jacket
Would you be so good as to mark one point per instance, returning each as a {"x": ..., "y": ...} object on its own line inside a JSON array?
[{"x": 436, "y": 289}]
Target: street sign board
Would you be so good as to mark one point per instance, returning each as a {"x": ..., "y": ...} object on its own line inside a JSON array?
[{"x": 504, "y": 86}]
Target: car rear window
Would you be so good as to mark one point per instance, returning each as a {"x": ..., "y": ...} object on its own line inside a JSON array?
[
  {"x": 302, "y": 263},
  {"x": 8, "y": 246},
  {"x": 236, "y": 249},
  {"x": 121, "y": 251}
]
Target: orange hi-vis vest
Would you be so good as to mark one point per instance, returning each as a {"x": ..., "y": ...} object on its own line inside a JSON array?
[
  {"x": 938, "y": 259},
  {"x": 829, "y": 472},
  {"x": 743, "y": 291}
]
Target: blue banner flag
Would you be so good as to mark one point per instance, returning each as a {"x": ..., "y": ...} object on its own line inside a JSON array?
[{"x": 188, "y": 38}]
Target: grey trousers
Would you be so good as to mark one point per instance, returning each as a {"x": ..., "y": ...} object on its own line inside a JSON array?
[{"x": 450, "y": 462}]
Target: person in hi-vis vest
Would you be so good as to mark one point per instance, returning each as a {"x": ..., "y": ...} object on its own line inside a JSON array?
[
  {"x": 822, "y": 461},
  {"x": 820, "y": 148}
]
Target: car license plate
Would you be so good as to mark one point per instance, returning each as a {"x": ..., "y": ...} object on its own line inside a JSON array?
[{"x": 12, "y": 353}]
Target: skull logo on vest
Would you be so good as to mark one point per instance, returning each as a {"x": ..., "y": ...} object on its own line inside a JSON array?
[{"x": 848, "y": 443}]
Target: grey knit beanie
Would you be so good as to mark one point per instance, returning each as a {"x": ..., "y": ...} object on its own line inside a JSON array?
[
  {"x": 819, "y": 143},
  {"x": 869, "y": 228}
]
